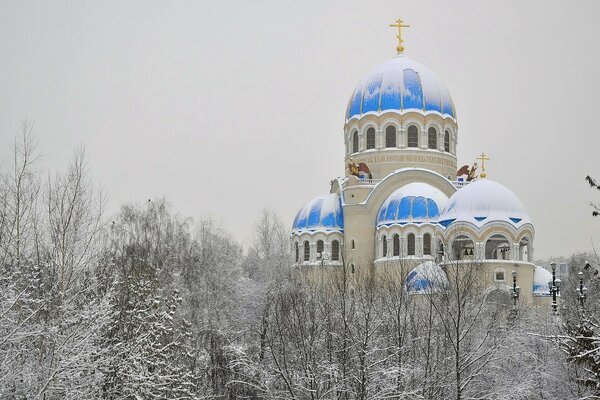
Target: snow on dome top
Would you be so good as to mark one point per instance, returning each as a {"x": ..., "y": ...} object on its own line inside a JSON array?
[
  {"x": 484, "y": 201},
  {"x": 323, "y": 213},
  {"x": 400, "y": 84},
  {"x": 541, "y": 277},
  {"x": 427, "y": 277},
  {"x": 416, "y": 202}
]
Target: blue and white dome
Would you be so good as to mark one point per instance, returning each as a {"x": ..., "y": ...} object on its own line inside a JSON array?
[
  {"x": 541, "y": 277},
  {"x": 484, "y": 201},
  {"x": 400, "y": 84},
  {"x": 323, "y": 214},
  {"x": 426, "y": 278},
  {"x": 413, "y": 203}
]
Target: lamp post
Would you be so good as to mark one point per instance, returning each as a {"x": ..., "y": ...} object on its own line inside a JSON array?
[
  {"x": 582, "y": 291},
  {"x": 554, "y": 286},
  {"x": 515, "y": 289}
]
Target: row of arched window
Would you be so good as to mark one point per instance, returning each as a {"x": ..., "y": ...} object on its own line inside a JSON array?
[
  {"x": 410, "y": 245},
  {"x": 412, "y": 138},
  {"x": 335, "y": 250}
]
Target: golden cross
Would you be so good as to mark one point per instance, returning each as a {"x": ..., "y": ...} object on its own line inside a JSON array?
[
  {"x": 399, "y": 25},
  {"x": 483, "y": 159}
]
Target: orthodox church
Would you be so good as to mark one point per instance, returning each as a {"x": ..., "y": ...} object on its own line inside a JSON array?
[{"x": 402, "y": 201}]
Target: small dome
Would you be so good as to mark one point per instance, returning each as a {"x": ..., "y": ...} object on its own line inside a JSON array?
[
  {"x": 541, "y": 277},
  {"x": 413, "y": 203},
  {"x": 426, "y": 278},
  {"x": 323, "y": 213},
  {"x": 484, "y": 201},
  {"x": 400, "y": 84}
]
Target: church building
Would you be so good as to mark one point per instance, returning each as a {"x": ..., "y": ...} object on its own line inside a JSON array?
[{"x": 402, "y": 201}]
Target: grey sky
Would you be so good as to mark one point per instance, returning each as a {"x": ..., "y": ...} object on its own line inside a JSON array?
[{"x": 229, "y": 107}]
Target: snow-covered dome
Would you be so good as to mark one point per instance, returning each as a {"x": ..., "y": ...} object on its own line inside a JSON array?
[
  {"x": 323, "y": 213},
  {"x": 416, "y": 202},
  {"x": 484, "y": 201},
  {"x": 427, "y": 277},
  {"x": 400, "y": 84},
  {"x": 541, "y": 277}
]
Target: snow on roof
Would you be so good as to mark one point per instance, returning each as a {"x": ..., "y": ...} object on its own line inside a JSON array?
[
  {"x": 400, "y": 84},
  {"x": 323, "y": 213},
  {"x": 416, "y": 202},
  {"x": 483, "y": 201}
]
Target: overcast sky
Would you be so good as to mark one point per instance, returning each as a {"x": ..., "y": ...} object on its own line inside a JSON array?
[{"x": 229, "y": 107}]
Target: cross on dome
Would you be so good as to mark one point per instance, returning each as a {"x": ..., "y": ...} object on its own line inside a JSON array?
[
  {"x": 399, "y": 25},
  {"x": 483, "y": 159}
]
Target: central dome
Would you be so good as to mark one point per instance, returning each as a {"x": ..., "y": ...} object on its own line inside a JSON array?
[{"x": 400, "y": 84}]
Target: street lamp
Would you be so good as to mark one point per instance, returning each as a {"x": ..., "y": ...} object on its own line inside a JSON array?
[
  {"x": 554, "y": 286},
  {"x": 582, "y": 291},
  {"x": 516, "y": 290}
]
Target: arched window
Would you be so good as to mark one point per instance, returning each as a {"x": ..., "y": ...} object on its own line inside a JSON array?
[
  {"x": 306, "y": 251},
  {"x": 351, "y": 269},
  {"x": 497, "y": 247},
  {"x": 390, "y": 136},
  {"x": 432, "y": 138},
  {"x": 320, "y": 247},
  {"x": 410, "y": 242},
  {"x": 370, "y": 138},
  {"x": 447, "y": 142},
  {"x": 396, "y": 245},
  {"x": 355, "y": 142},
  {"x": 462, "y": 248},
  {"x": 413, "y": 136},
  {"x": 353, "y": 247},
  {"x": 427, "y": 244},
  {"x": 384, "y": 239},
  {"x": 335, "y": 250},
  {"x": 297, "y": 252}
]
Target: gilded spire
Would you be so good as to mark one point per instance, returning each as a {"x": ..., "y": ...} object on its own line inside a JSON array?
[{"x": 399, "y": 25}]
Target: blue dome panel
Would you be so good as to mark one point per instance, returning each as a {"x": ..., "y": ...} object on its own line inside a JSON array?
[
  {"x": 371, "y": 94},
  {"x": 392, "y": 209},
  {"x": 419, "y": 208},
  {"x": 413, "y": 92},
  {"x": 356, "y": 102},
  {"x": 405, "y": 209},
  {"x": 432, "y": 209}
]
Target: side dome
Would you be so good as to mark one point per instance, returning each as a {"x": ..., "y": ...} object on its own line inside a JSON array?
[
  {"x": 484, "y": 201},
  {"x": 413, "y": 203},
  {"x": 427, "y": 277},
  {"x": 400, "y": 84},
  {"x": 323, "y": 213},
  {"x": 541, "y": 277}
]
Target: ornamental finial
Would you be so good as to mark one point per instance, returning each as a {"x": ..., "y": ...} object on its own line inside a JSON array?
[
  {"x": 399, "y": 25},
  {"x": 483, "y": 159}
]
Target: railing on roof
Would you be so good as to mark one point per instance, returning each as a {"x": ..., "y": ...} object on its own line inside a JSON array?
[
  {"x": 457, "y": 184},
  {"x": 460, "y": 183}
]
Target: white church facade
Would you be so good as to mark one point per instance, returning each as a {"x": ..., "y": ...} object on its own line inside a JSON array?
[{"x": 401, "y": 202}]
